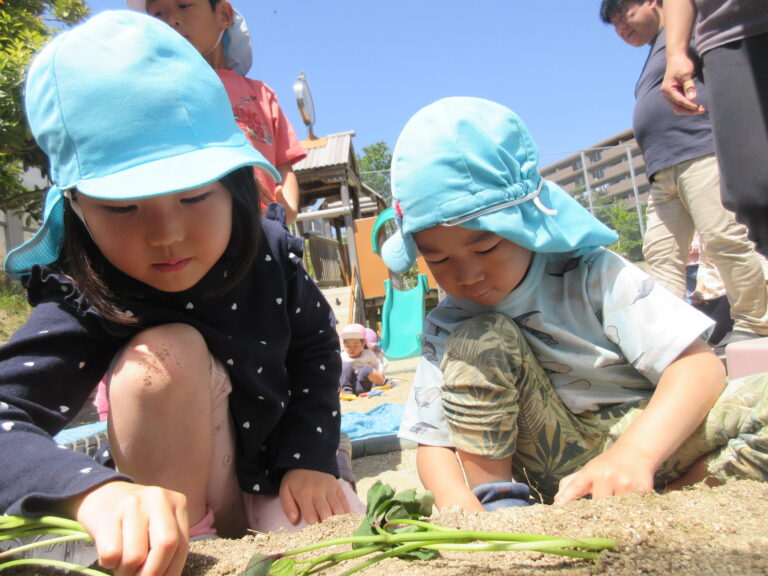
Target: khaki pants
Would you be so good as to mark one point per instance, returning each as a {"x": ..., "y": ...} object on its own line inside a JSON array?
[
  {"x": 498, "y": 401},
  {"x": 684, "y": 199}
]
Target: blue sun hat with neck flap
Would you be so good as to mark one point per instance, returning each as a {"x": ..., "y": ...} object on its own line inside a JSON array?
[
  {"x": 471, "y": 162},
  {"x": 125, "y": 108},
  {"x": 236, "y": 40}
]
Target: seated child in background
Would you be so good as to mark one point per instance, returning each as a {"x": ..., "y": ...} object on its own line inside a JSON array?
[
  {"x": 552, "y": 361},
  {"x": 372, "y": 343},
  {"x": 361, "y": 369},
  {"x": 220, "y": 34}
]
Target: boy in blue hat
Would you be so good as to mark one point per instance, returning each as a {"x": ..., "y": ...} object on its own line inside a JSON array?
[
  {"x": 552, "y": 360},
  {"x": 220, "y": 34}
]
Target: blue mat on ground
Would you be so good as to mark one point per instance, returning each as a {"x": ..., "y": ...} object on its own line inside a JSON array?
[
  {"x": 69, "y": 435},
  {"x": 384, "y": 420}
]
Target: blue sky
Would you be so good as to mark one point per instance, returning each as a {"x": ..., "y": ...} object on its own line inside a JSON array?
[{"x": 371, "y": 64}]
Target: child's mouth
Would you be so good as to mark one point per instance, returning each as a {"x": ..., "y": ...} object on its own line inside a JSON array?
[{"x": 171, "y": 265}]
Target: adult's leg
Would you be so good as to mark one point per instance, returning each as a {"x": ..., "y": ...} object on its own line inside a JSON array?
[
  {"x": 669, "y": 232},
  {"x": 725, "y": 244},
  {"x": 736, "y": 76}
]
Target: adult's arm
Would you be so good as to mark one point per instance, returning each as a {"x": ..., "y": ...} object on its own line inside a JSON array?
[{"x": 678, "y": 86}]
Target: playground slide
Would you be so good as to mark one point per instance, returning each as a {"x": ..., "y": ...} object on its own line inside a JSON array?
[{"x": 402, "y": 321}]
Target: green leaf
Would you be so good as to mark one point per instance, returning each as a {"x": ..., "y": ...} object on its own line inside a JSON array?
[
  {"x": 260, "y": 565},
  {"x": 384, "y": 509},
  {"x": 284, "y": 567}
]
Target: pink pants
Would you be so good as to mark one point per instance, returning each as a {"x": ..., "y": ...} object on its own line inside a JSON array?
[{"x": 229, "y": 509}]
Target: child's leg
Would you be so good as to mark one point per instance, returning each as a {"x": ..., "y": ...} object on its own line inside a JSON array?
[
  {"x": 362, "y": 382},
  {"x": 732, "y": 442},
  {"x": 347, "y": 378},
  {"x": 160, "y": 407},
  {"x": 499, "y": 402}
]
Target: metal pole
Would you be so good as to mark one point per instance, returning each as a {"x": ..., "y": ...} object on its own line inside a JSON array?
[
  {"x": 634, "y": 191},
  {"x": 586, "y": 181}
]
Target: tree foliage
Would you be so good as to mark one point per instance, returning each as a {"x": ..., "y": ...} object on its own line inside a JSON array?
[
  {"x": 614, "y": 214},
  {"x": 25, "y": 26},
  {"x": 374, "y": 166}
]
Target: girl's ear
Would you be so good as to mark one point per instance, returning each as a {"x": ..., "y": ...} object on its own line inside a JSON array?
[{"x": 224, "y": 14}]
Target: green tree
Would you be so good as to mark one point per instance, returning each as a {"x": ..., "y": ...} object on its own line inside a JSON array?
[
  {"x": 374, "y": 166},
  {"x": 25, "y": 26},
  {"x": 614, "y": 214}
]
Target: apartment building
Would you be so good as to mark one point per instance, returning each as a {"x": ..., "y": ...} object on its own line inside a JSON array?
[{"x": 611, "y": 169}]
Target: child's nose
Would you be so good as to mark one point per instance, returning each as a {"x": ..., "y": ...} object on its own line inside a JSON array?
[
  {"x": 170, "y": 18},
  {"x": 164, "y": 230},
  {"x": 469, "y": 274}
]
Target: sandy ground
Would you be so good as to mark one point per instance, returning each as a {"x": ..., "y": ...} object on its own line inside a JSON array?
[{"x": 699, "y": 531}]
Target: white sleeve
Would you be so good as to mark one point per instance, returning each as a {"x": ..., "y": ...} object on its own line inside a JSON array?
[{"x": 423, "y": 419}]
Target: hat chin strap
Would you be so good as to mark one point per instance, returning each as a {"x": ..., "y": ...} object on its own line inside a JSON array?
[
  {"x": 215, "y": 44},
  {"x": 77, "y": 210},
  {"x": 532, "y": 196}
]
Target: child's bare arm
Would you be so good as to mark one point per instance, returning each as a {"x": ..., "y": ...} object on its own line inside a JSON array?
[
  {"x": 440, "y": 472},
  {"x": 684, "y": 395},
  {"x": 288, "y": 192}
]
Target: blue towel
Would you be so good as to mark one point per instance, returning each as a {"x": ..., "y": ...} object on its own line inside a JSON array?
[
  {"x": 384, "y": 420},
  {"x": 69, "y": 435}
]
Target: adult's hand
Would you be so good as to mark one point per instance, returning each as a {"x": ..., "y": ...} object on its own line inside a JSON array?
[{"x": 679, "y": 88}]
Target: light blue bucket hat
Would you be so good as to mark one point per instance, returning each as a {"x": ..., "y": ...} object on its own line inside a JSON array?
[
  {"x": 125, "y": 108},
  {"x": 471, "y": 162},
  {"x": 236, "y": 40}
]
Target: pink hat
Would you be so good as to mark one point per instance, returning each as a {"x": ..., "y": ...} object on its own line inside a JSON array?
[
  {"x": 371, "y": 338},
  {"x": 353, "y": 331}
]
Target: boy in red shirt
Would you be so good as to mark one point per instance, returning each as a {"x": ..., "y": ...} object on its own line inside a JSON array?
[{"x": 219, "y": 33}]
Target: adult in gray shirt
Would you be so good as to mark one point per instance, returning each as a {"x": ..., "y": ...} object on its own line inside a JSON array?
[
  {"x": 732, "y": 39},
  {"x": 679, "y": 154}
]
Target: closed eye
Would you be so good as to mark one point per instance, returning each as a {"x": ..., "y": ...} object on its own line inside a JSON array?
[
  {"x": 491, "y": 249},
  {"x": 438, "y": 261},
  {"x": 120, "y": 209},
  {"x": 195, "y": 199}
]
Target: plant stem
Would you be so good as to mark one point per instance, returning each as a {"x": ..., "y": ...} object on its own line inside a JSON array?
[{"x": 56, "y": 563}]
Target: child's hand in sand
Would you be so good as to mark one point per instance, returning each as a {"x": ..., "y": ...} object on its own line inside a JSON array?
[{"x": 311, "y": 495}]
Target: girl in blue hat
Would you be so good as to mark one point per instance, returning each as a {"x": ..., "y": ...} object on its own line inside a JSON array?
[
  {"x": 552, "y": 362},
  {"x": 153, "y": 267}
]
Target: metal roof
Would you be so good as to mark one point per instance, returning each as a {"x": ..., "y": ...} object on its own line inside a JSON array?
[{"x": 328, "y": 151}]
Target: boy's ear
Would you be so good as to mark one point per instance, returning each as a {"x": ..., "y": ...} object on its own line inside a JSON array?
[{"x": 225, "y": 14}]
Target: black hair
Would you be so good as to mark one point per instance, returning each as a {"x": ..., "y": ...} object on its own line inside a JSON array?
[
  {"x": 610, "y": 8},
  {"x": 81, "y": 256}
]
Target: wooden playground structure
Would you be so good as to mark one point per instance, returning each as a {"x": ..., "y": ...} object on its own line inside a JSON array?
[{"x": 337, "y": 220}]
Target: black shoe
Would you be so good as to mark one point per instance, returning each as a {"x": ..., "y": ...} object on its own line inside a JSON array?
[{"x": 731, "y": 337}]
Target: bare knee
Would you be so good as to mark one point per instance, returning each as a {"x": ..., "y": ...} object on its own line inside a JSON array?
[{"x": 157, "y": 358}]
